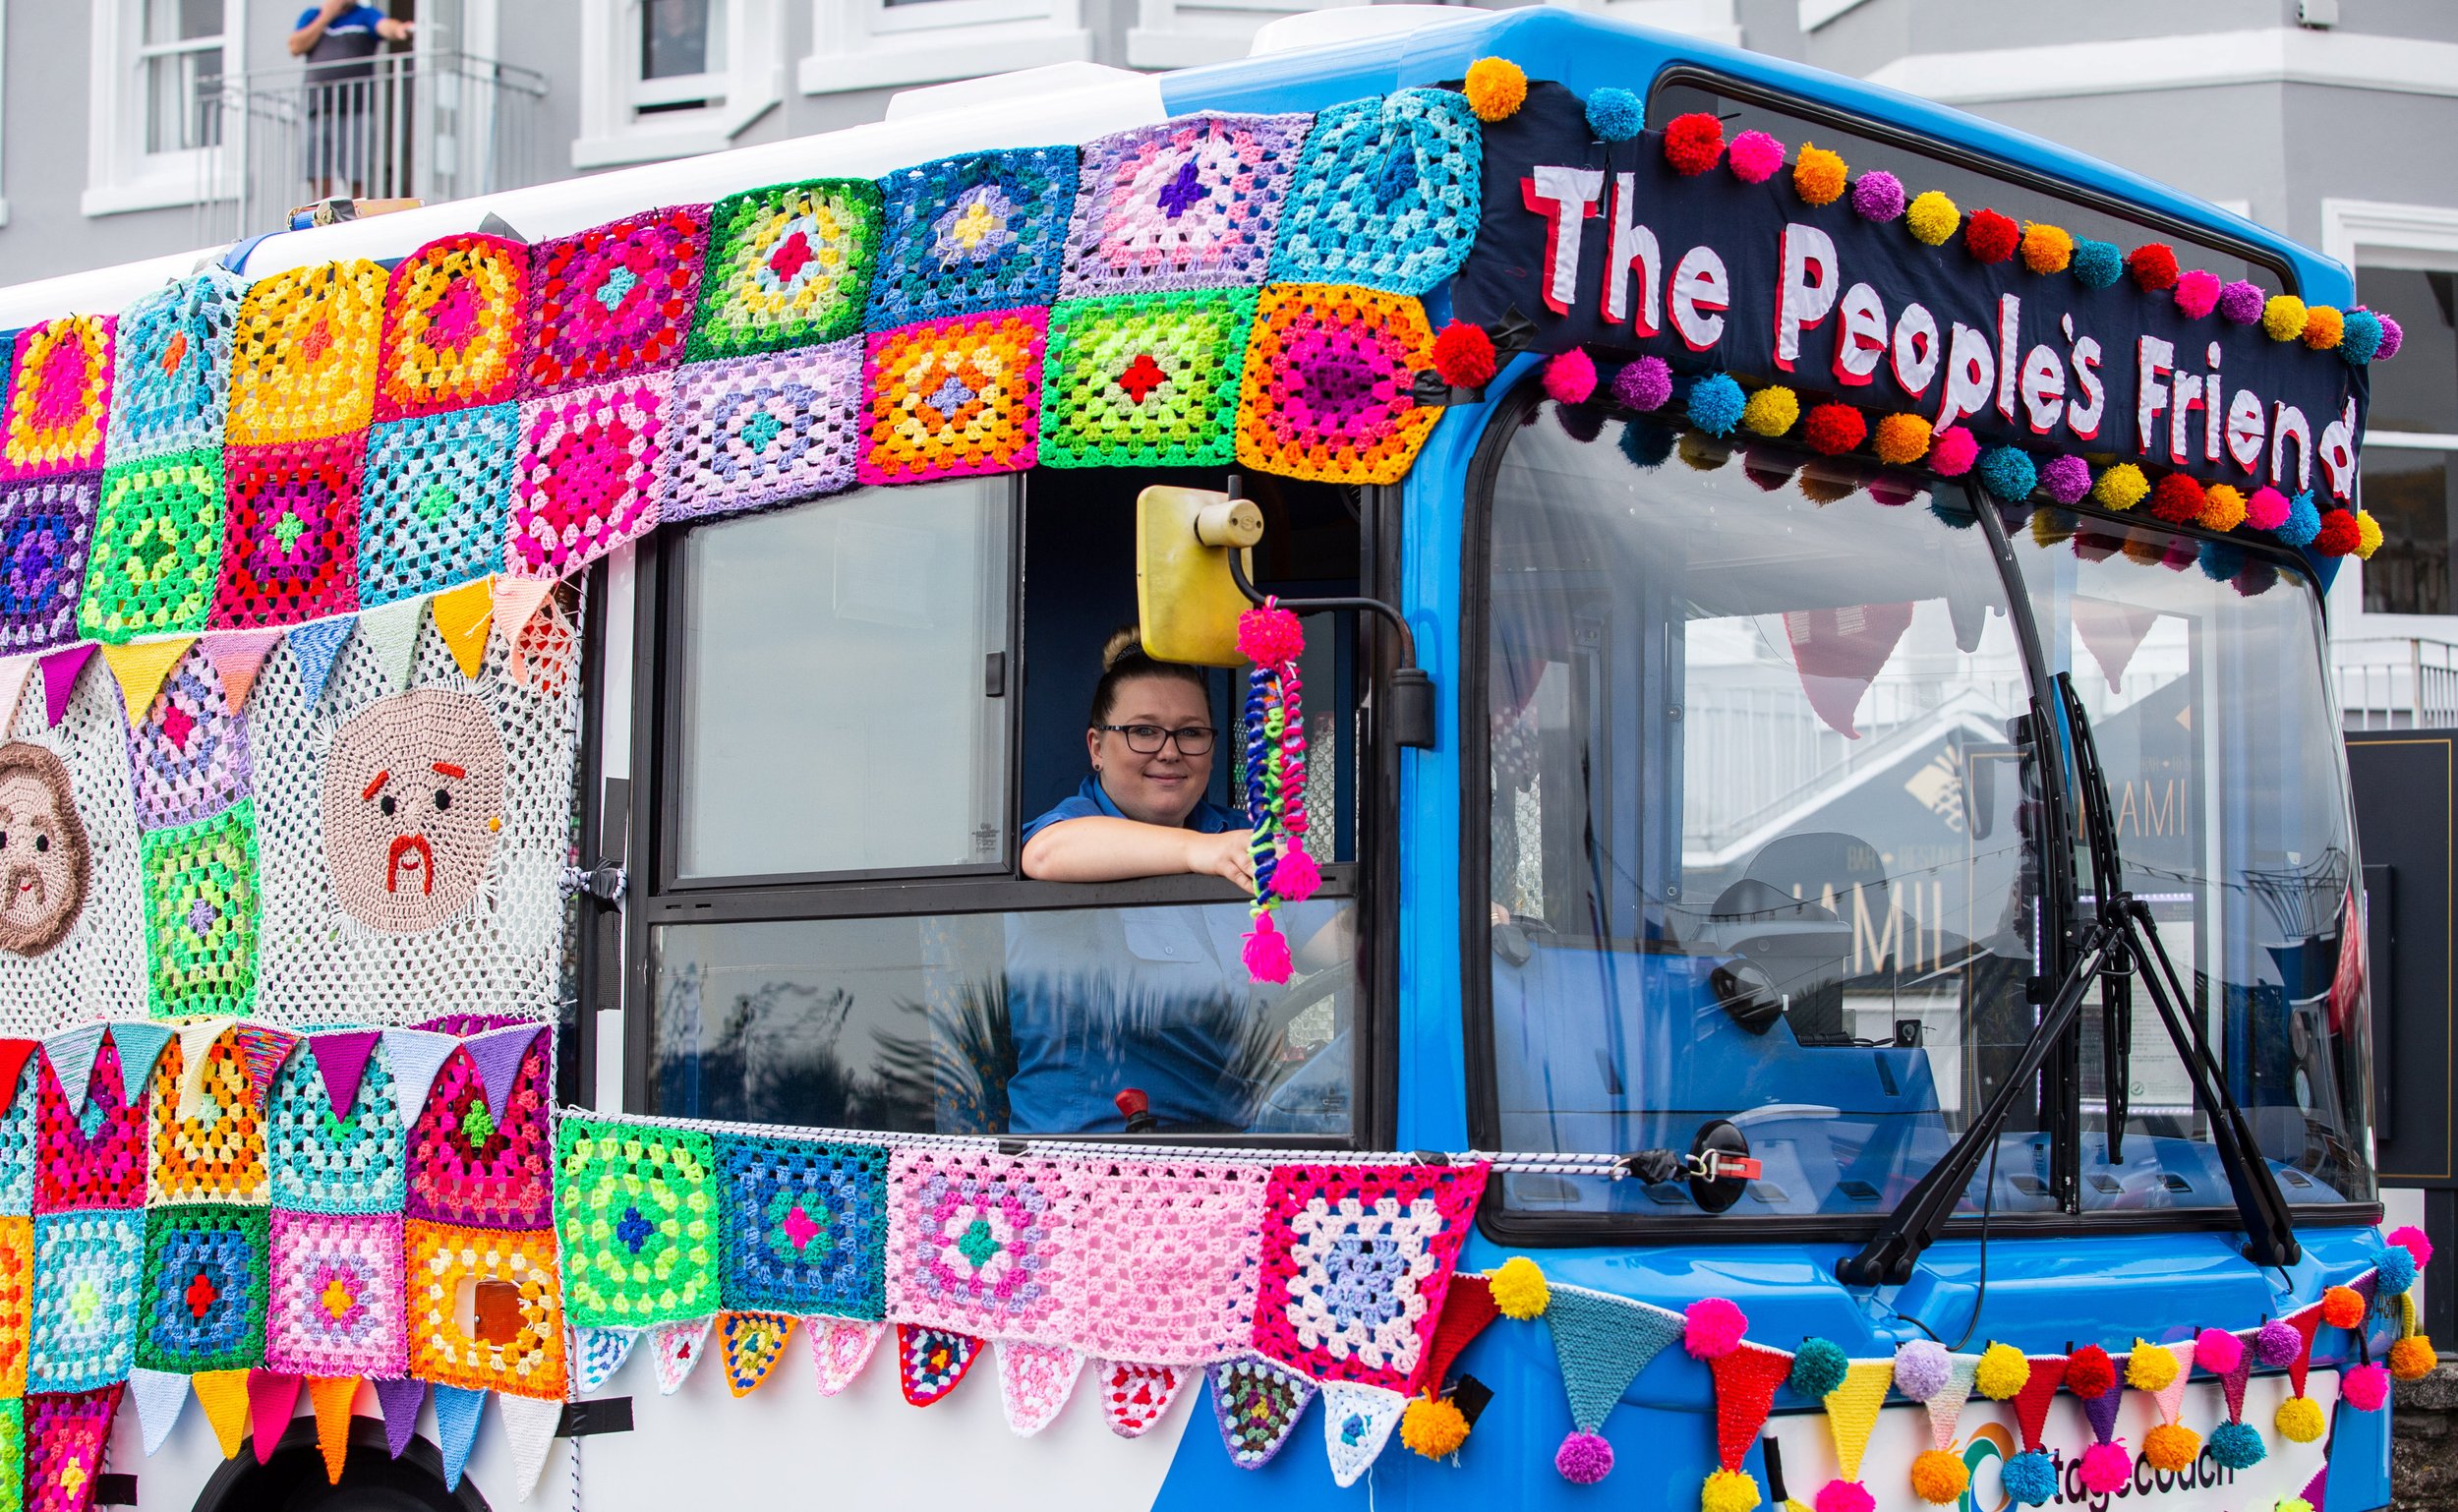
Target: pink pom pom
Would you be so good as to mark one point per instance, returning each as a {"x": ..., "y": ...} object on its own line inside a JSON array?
[
  {"x": 2105, "y": 1467},
  {"x": 1297, "y": 876},
  {"x": 1714, "y": 1328},
  {"x": 2218, "y": 1351},
  {"x": 2240, "y": 303},
  {"x": 1269, "y": 636},
  {"x": 1951, "y": 452},
  {"x": 2277, "y": 1345},
  {"x": 2266, "y": 509},
  {"x": 2197, "y": 292},
  {"x": 2366, "y": 1387},
  {"x": 1846, "y": 1496},
  {"x": 1570, "y": 378},
  {"x": 1755, "y": 156},
  {"x": 1584, "y": 1459},
  {"x": 2392, "y": 336},
  {"x": 2411, "y": 1239},
  {"x": 1267, "y": 952},
  {"x": 2066, "y": 479},
  {"x": 1643, "y": 384}
]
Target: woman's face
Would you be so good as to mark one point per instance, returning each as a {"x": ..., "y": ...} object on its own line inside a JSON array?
[{"x": 1164, "y": 787}]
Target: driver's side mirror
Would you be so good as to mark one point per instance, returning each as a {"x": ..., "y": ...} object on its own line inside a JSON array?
[{"x": 1186, "y": 599}]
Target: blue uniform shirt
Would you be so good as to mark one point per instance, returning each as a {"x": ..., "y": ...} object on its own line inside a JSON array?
[{"x": 1092, "y": 800}]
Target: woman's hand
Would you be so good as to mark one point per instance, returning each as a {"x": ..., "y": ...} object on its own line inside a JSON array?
[{"x": 1229, "y": 854}]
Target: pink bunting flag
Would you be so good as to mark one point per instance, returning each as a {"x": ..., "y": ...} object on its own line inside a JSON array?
[
  {"x": 238, "y": 656},
  {"x": 2171, "y": 1397},
  {"x": 341, "y": 1060},
  {"x": 516, "y": 602},
  {"x": 1840, "y": 652},
  {"x": 840, "y": 1349},
  {"x": 2233, "y": 1382},
  {"x": 1035, "y": 1382},
  {"x": 271, "y": 1399},
  {"x": 59, "y": 680}
]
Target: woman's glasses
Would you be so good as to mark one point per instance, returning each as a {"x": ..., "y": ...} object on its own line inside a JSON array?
[{"x": 1148, "y": 739}]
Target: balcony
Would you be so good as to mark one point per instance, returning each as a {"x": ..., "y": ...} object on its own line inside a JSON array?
[{"x": 2396, "y": 683}]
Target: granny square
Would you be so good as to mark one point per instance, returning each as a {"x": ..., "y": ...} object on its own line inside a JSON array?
[
  {"x": 768, "y": 429},
  {"x": 788, "y": 265},
  {"x": 983, "y": 1244},
  {"x": 1174, "y": 1282},
  {"x": 171, "y": 389},
  {"x": 46, "y": 526},
  {"x": 16, "y": 1302},
  {"x": 613, "y": 301},
  {"x": 433, "y": 498},
  {"x": 189, "y": 752},
  {"x": 86, "y": 1290},
  {"x": 635, "y": 1208},
  {"x": 157, "y": 547},
  {"x": 983, "y": 231},
  {"x": 201, "y": 915},
  {"x": 469, "y": 1167},
  {"x": 58, "y": 410},
  {"x": 1144, "y": 379},
  {"x": 1328, "y": 389},
  {"x": 18, "y": 1143},
  {"x": 452, "y": 326},
  {"x": 805, "y": 1226},
  {"x": 291, "y": 547},
  {"x": 204, "y": 1301},
  {"x": 325, "y": 1164},
  {"x": 1189, "y": 204},
  {"x": 64, "y": 1441},
  {"x": 217, "y": 1152},
  {"x": 1387, "y": 193},
  {"x": 304, "y": 354},
  {"x": 336, "y": 1307},
  {"x": 93, "y": 1155},
  {"x": 587, "y": 477},
  {"x": 953, "y": 398},
  {"x": 525, "y": 1359},
  {"x": 1356, "y": 1261}
]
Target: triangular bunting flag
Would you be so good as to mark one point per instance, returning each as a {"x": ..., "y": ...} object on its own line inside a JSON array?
[
  {"x": 140, "y": 1045},
  {"x": 223, "y": 1395},
  {"x": 1746, "y": 1378},
  {"x": 263, "y": 1050},
  {"x": 1852, "y": 1410},
  {"x": 516, "y": 601},
  {"x": 273, "y": 1397},
  {"x": 597, "y": 1354},
  {"x": 498, "y": 1054},
  {"x": 930, "y": 1362},
  {"x": 2039, "y": 1389},
  {"x": 1357, "y": 1422},
  {"x": 2232, "y": 1384},
  {"x": 2316, "y": 1492},
  {"x": 59, "y": 680},
  {"x": 330, "y": 1398},
  {"x": 1604, "y": 1342},
  {"x": 1258, "y": 1404},
  {"x": 1134, "y": 1397},
  {"x": 415, "y": 1056},
  {"x": 1467, "y": 1307},
  {"x": 70, "y": 1053},
  {"x": 2171, "y": 1397},
  {"x": 1035, "y": 1382},
  {"x": 2101, "y": 1410},
  {"x": 530, "y": 1424},
  {"x": 14, "y": 671},
  {"x": 462, "y": 615},
  {"x": 390, "y": 631},
  {"x": 840, "y": 1349},
  {"x": 159, "y": 1394},
  {"x": 238, "y": 656},
  {"x": 399, "y": 1402},
  {"x": 1946, "y": 1409},
  {"x": 195, "y": 1044},
  {"x": 457, "y": 1413},
  {"x": 676, "y": 1348},
  {"x": 140, "y": 667},
  {"x": 315, "y": 647},
  {"x": 753, "y": 1343},
  {"x": 64, "y": 1441},
  {"x": 341, "y": 1060},
  {"x": 14, "y": 1054},
  {"x": 2305, "y": 1320},
  {"x": 2367, "y": 1286}
]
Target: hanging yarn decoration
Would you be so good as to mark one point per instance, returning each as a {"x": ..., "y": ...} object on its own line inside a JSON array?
[
  {"x": 2394, "y": 1267},
  {"x": 2364, "y": 1388},
  {"x": 2411, "y": 1239},
  {"x": 1275, "y": 780},
  {"x": 1756, "y": 156}
]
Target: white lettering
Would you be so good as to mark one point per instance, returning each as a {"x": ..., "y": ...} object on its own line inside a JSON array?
[
  {"x": 2338, "y": 454},
  {"x": 2153, "y": 360},
  {"x": 1970, "y": 375},
  {"x": 2244, "y": 430},
  {"x": 1807, "y": 291},
  {"x": 1701, "y": 293},
  {"x": 2083, "y": 416},
  {"x": 1859, "y": 336},
  {"x": 2187, "y": 398},
  {"x": 1915, "y": 351},
  {"x": 1632, "y": 247},
  {"x": 2043, "y": 388},
  {"x": 2287, "y": 422},
  {"x": 2008, "y": 347},
  {"x": 1554, "y": 193}
]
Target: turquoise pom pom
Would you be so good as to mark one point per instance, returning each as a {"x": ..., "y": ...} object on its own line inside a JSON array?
[
  {"x": 1716, "y": 404},
  {"x": 2097, "y": 263},
  {"x": 2360, "y": 336},
  {"x": 2302, "y": 522},
  {"x": 2237, "y": 1447},
  {"x": 2030, "y": 1477},
  {"x": 1818, "y": 1368},
  {"x": 2007, "y": 473},
  {"x": 2397, "y": 1268},
  {"x": 1615, "y": 114}
]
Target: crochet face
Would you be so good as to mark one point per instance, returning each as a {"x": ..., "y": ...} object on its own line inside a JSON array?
[
  {"x": 413, "y": 801},
  {"x": 44, "y": 857}
]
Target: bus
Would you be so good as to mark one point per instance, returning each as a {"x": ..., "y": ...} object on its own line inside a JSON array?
[{"x": 1784, "y": 622}]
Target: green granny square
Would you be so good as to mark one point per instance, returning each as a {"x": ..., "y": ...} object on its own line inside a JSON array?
[
  {"x": 1144, "y": 379},
  {"x": 201, "y": 915},
  {"x": 157, "y": 548},
  {"x": 635, "y": 1210},
  {"x": 788, "y": 265}
]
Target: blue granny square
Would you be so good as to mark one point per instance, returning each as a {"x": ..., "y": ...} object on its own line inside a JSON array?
[
  {"x": 170, "y": 385},
  {"x": 805, "y": 1226},
  {"x": 431, "y": 500},
  {"x": 1386, "y": 195},
  {"x": 985, "y": 231},
  {"x": 204, "y": 1301},
  {"x": 86, "y": 1288},
  {"x": 17, "y": 1144},
  {"x": 322, "y": 1164},
  {"x": 46, "y": 527}
]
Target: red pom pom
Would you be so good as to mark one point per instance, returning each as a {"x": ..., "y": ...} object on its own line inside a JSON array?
[
  {"x": 2177, "y": 500},
  {"x": 1835, "y": 429},
  {"x": 1463, "y": 355},
  {"x": 2339, "y": 533},
  {"x": 2153, "y": 266},
  {"x": 1991, "y": 237},
  {"x": 1694, "y": 143},
  {"x": 2089, "y": 1373}
]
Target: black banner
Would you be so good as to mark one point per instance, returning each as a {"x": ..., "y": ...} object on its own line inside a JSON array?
[{"x": 1603, "y": 245}]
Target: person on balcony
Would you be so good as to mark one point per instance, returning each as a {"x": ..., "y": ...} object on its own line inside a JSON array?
[{"x": 338, "y": 38}]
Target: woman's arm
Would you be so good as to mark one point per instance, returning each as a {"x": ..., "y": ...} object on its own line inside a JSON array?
[
  {"x": 1100, "y": 848},
  {"x": 302, "y": 42}
]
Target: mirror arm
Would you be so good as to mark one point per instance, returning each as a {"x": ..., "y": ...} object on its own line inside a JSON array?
[{"x": 1409, "y": 708}]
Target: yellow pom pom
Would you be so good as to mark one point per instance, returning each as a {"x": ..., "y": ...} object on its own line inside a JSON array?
[
  {"x": 2412, "y": 1358},
  {"x": 2121, "y": 488},
  {"x": 1771, "y": 410},
  {"x": 1932, "y": 218},
  {"x": 1519, "y": 1289},
  {"x": 2368, "y": 535},
  {"x": 1939, "y": 1476},
  {"x": 1730, "y": 1490},
  {"x": 2323, "y": 327},
  {"x": 2300, "y": 1420},
  {"x": 2046, "y": 248},
  {"x": 2171, "y": 1447},
  {"x": 1902, "y": 439},
  {"x": 1819, "y": 175},
  {"x": 2283, "y": 317},
  {"x": 2152, "y": 1367},
  {"x": 2002, "y": 1372},
  {"x": 1497, "y": 88},
  {"x": 2223, "y": 509},
  {"x": 1433, "y": 1426}
]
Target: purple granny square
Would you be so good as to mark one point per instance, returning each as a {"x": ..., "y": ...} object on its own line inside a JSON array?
[
  {"x": 46, "y": 527},
  {"x": 747, "y": 432},
  {"x": 1186, "y": 205}
]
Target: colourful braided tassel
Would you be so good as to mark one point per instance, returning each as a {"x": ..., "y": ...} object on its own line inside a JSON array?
[{"x": 1275, "y": 780}]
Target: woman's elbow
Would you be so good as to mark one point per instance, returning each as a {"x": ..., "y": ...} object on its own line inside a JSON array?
[{"x": 1037, "y": 856}]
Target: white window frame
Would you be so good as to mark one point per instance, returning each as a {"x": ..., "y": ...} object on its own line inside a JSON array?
[
  {"x": 1185, "y": 33},
  {"x": 612, "y": 90},
  {"x": 869, "y": 45},
  {"x": 120, "y": 174}
]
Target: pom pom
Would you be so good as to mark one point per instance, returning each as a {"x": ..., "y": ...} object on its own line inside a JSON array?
[
  {"x": 1269, "y": 636},
  {"x": 2197, "y": 293},
  {"x": 2294, "y": 1504},
  {"x": 1614, "y": 115},
  {"x": 1518, "y": 1288},
  {"x": 1771, "y": 410},
  {"x": 1267, "y": 952},
  {"x": 1297, "y": 876},
  {"x": 1713, "y": 1327},
  {"x": 2302, "y": 521},
  {"x": 1922, "y": 1369},
  {"x": 2265, "y": 509},
  {"x": 1835, "y": 429},
  {"x": 1716, "y": 405},
  {"x": 1818, "y": 1368},
  {"x": 1878, "y": 195},
  {"x": 2002, "y": 1372},
  {"x": 1433, "y": 1426},
  {"x": 2237, "y": 1446},
  {"x": 2066, "y": 479},
  {"x": 2177, "y": 500},
  {"x": 1902, "y": 439},
  {"x": 2046, "y": 248},
  {"x": 2300, "y": 1420},
  {"x": 2097, "y": 263},
  {"x": 1643, "y": 385},
  {"x": 1939, "y": 1477},
  {"x": 1756, "y": 158},
  {"x": 2240, "y": 303},
  {"x": 2411, "y": 1239},
  {"x": 1584, "y": 1459},
  {"x": 2343, "y": 1307},
  {"x": 2412, "y": 1358},
  {"x": 2121, "y": 488},
  {"x": 2323, "y": 327},
  {"x": 1818, "y": 175},
  {"x": 2393, "y": 335},
  {"x": 2171, "y": 1447},
  {"x": 2218, "y": 1351},
  {"x": 2277, "y": 1345},
  {"x": 2150, "y": 1367},
  {"x": 1693, "y": 143},
  {"x": 2089, "y": 1373},
  {"x": 1931, "y": 218},
  {"x": 1730, "y": 1490},
  {"x": 2283, "y": 317},
  {"x": 2396, "y": 1267},
  {"x": 2360, "y": 336},
  {"x": 2223, "y": 507},
  {"x": 1570, "y": 376},
  {"x": 1846, "y": 1496},
  {"x": 2338, "y": 535},
  {"x": 2029, "y": 1477},
  {"x": 2364, "y": 1388},
  {"x": 1496, "y": 87},
  {"x": 2153, "y": 266},
  {"x": 1951, "y": 452},
  {"x": 2007, "y": 473},
  {"x": 2106, "y": 1467},
  {"x": 1991, "y": 237},
  {"x": 1646, "y": 443},
  {"x": 1463, "y": 356}
]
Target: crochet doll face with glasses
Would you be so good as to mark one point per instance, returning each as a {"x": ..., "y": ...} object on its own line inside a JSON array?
[
  {"x": 413, "y": 802},
  {"x": 44, "y": 860}
]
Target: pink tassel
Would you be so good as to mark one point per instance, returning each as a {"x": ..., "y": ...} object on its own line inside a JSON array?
[
  {"x": 1297, "y": 875},
  {"x": 1267, "y": 952}
]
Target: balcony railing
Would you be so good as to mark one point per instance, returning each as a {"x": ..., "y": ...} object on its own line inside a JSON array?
[{"x": 2396, "y": 683}]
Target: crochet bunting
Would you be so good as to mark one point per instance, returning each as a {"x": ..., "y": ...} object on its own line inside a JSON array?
[
  {"x": 326, "y": 1160},
  {"x": 1358, "y": 1420},
  {"x": 203, "y": 1305},
  {"x": 1144, "y": 379},
  {"x": 59, "y": 399},
  {"x": 170, "y": 389},
  {"x": 768, "y": 429},
  {"x": 92, "y": 1149},
  {"x": 635, "y": 1210},
  {"x": 1034, "y": 1382},
  {"x": 839, "y": 1350},
  {"x": 1192, "y": 202},
  {"x": 1327, "y": 389},
  {"x": 521, "y": 1354},
  {"x": 85, "y": 1298},
  {"x": 674, "y": 1352},
  {"x": 804, "y": 1226},
  {"x": 336, "y": 1306},
  {"x": 1134, "y": 1397},
  {"x": 157, "y": 547},
  {"x": 1354, "y": 1264},
  {"x": 931, "y": 1360},
  {"x": 983, "y": 1243},
  {"x": 201, "y": 915},
  {"x": 452, "y": 326},
  {"x": 1257, "y": 1404},
  {"x": 788, "y": 265},
  {"x": 434, "y": 500},
  {"x": 469, "y": 1167},
  {"x": 46, "y": 527},
  {"x": 585, "y": 481},
  {"x": 613, "y": 300},
  {"x": 960, "y": 235},
  {"x": 1387, "y": 193},
  {"x": 213, "y": 1151},
  {"x": 752, "y": 1343},
  {"x": 64, "y": 1439},
  {"x": 304, "y": 354},
  {"x": 953, "y": 398},
  {"x": 188, "y": 751},
  {"x": 1746, "y": 1378},
  {"x": 290, "y": 549},
  {"x": 597, "y": 1354},
  {"x": 1853, "y": 1409}
]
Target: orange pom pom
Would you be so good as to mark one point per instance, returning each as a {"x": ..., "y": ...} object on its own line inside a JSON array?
[
  {"x": 1818, "y": 175},
  {"x": 2342, "y": 1306},
  {"x": 2412, "y": 1358},
  {"x": 2171, "y": 1447},
  {"x": 1939, "y": 1477},
  {"x": 1902, "y": 439}
]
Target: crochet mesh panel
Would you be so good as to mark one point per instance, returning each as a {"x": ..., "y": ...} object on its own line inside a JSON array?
[
  {"x": 1326, "y": 392},
  {"x": 1186, "y": 205},
  {"x": 788, "y": 265},
  {"x": 431, "y": 500},
  {"x": 1174, "y": 1282},
  {"x": 290, "y": 544},
  {"x": 965, "y": 234},
  {"x": 98, "y": 970},
  {"x": 984, "y": 1244},
  {"x": 303, "y": 356},
  {"x": 202, "y": 1304},
  {"x": 157, "y": 547},
  {"x": 59, "y": 399},
  {"x": 953, "y": 398}
]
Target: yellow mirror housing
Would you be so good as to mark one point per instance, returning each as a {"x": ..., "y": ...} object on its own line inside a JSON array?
[{"x": 1185, "y": 599}]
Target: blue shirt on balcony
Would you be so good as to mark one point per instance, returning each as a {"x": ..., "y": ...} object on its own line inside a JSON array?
[{"x": 349, "y": 40}]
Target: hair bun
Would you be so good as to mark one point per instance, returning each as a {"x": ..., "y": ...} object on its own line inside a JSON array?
[{"x": 1124, "y": 642}]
